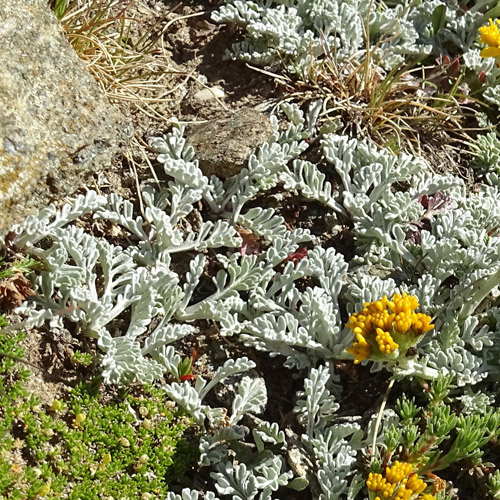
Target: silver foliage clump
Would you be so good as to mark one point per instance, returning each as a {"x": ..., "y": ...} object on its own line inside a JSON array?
[
  {"x": 301, "y": 32},
  {"x": 430, "y": 232},
  {"x": 414, "y": 231},
  {"x": 486, "y": 151},
  {"x": 298, "y": 34},
  {"x": 93, "y": 282},
  {"x": 332, "y": 446}
]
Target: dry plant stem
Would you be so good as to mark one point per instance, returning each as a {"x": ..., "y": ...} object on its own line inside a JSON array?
[
  {"x": 143, "y": 148},
  {"x": 379, "y": 417},
  {"x": 281, "y": 78},
  {"x": 130, "y": 157},
  {"x": 20, "y": 360},
  {"x": 121, "y": 69}
]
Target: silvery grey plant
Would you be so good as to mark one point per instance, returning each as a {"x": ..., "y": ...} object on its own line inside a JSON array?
[
  {"x": 298, "y": 34},
  {"x": 404, "y": 219}
]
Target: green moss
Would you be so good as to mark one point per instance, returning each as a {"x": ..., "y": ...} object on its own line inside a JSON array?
[{"x": 90, "y": 445}]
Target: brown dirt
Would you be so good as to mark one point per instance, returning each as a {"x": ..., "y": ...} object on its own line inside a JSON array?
[{"x": 43, "y": 383}]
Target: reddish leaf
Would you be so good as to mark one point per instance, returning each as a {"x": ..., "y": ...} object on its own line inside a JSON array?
[
  {"x": 442, "y": 60},
  {"x": 437, "y": 203},
  {"x": 189, "y": 376},
  {"x": 481, "y": 78},
  {"x": 250, "y": 244},
  {"x": 297, "y": 256},
  {"x": 424, "y": 200},
  {"x": 454, "y": 68}
]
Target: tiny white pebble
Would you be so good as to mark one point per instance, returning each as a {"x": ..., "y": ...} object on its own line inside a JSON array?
[
  {"x": 124, "y": 441},
  {"x": 209, "y": 94}
]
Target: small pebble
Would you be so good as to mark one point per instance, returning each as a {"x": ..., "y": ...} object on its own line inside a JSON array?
[{"x": 209, "y": 94}]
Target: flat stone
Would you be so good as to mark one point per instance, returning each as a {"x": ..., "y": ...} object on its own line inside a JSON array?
[
  {"x": 223, "y": 146},
  {"x": 56, "y": 125}
]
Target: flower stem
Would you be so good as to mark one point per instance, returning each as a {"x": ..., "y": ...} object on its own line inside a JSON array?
[
  {"x": 479, "y": 295},
  {"x": 379, "y": 416}
]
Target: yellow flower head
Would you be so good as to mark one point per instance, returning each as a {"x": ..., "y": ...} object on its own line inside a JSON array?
[
  {"x": 403, "y": 303},
  {"x": 399, "y": 482},
  {"x": 402, "y": 321},
  {"x": 490, "y": 36},
  {"x": 383, "y": 325},
  {"x": 421, "y": 323},
  {"x": 382, "y": 320},
  {"x": 361, "y": 350},
  {"x": 398, "y": 472},
  {"x": 415, "y": 484},
  {"x": 385, "y": 342},
  {"x": 376, "y": 482},
  {"x": 403, "y": 494}
]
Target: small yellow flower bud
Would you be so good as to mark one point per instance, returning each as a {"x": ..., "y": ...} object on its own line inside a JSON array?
[
  {"x": 44, "y": 490},
  {"x": 106, "y": 459},
  {"x": 147, "y": 424},
  {"x": 142, "y": 459},
  {"x": 146, "y": 496},
  {"x": 56, "y": 405},
  {"x": 143, "y": 411},
  {"x": 79, "y": 419}
]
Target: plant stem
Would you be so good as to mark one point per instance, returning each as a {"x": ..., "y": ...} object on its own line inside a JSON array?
[
  {"x": 479, "y": 295},
  {"x": 379, "y": 416}
]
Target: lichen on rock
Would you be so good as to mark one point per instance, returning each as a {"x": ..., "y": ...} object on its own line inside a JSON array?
[{"x": 56, "y": 125}]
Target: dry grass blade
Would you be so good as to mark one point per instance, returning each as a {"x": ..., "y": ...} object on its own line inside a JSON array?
[
  {"x": 101, "y": 34},
  {"x": 401, "y": 109},
  {"x": 130, "y": 68}
]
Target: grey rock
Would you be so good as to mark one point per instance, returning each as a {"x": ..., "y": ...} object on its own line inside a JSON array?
[
  {"x": 224, "y": 145},
  {"x": 56, "y": 125}
]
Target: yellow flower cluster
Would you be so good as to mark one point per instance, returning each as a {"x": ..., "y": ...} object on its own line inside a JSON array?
[
  {"x": 490, "y": 36},
  {"x": 400, "y": 483},
  {"x": 377, "y": 325}
]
